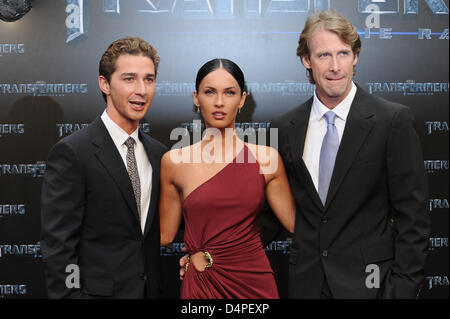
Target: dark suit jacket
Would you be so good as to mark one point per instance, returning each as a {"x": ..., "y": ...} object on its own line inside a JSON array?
[
  {"x": 375, "y": 212},
  {"x": 89, "y": 218}
]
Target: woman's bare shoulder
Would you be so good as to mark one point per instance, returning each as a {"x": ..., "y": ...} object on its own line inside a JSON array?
[{"x": 176, "y": 157}]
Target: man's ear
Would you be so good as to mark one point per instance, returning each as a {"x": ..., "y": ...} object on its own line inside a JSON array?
[
  {"x": 104, "y": 85},
  {"x": 355, "y": 60},
  {"x": 306, "y": 62}
]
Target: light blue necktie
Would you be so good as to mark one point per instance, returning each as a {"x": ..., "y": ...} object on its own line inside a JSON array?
[{"x": 330, "y": 146}]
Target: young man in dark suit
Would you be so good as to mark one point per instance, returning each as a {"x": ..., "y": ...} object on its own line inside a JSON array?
[
  {"x": 356, "y": 171},
  {"x": 99, "y": 202}
]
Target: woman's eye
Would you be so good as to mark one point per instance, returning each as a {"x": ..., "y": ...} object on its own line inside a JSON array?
[{"x": 230, "y": 93}]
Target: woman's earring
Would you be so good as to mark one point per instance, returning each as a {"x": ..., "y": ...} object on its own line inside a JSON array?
[
  {"x": 239, "y": 111},
  {"x": 198, "y": 109}
]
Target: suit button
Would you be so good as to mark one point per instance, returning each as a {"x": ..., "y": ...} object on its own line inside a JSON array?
[
  {"x": 324, "y": 220},
  {"x": 325, "y": 253},
  {"x": 144, "y": 277}
]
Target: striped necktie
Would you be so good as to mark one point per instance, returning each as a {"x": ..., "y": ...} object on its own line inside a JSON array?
[{"x": 133, "y": 172}]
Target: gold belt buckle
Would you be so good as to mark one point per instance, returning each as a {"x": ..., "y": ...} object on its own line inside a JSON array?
[
  {"x": 187, "y": 263},
  {"x": 210, "y": 260},
  {"x": 207, "y": 256}
]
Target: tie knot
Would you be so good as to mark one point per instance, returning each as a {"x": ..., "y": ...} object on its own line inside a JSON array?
[
  {"x": 330, "y": 117},
  {"x": 129, "y": 143}
]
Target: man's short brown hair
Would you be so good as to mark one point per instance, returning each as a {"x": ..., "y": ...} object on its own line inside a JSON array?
[
  {"x": 129, "y": 45},
  {"x": 332, "y": 21}
]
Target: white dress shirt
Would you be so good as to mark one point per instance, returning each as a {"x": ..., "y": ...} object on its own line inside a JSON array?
[
  {"x": 119, "y": 136},
  {"x": 317, "y": 129}
]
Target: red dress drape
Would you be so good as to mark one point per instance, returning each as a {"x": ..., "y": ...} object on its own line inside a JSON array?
[{"x": 221, "y": 218}]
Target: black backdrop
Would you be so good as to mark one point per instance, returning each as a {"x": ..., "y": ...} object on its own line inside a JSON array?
[{"x": 48, "y": 89}]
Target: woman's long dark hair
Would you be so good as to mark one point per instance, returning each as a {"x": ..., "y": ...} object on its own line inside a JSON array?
[{"x": 226, "y": 64}]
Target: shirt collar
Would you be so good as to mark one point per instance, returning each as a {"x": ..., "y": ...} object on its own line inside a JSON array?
[
  {"x": 118, "y": 135},
  {"x": 341, "y": 109}
]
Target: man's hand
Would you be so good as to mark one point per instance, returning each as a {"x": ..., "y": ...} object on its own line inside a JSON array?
[{"x": 183, "y": 261}]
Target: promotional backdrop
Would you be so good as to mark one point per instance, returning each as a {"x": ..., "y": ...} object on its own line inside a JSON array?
[{"x": 48, "y": 89}]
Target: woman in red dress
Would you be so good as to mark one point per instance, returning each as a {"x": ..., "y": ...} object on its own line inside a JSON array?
[{"x": 219, "y": 185}]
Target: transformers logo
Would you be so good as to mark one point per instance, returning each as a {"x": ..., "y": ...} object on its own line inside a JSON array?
[
  {"x": 283, "y": 89},
  {"x": 437, "y": 243},
  {"x": 410, "y": 7},
  {"x": 34, "y": 170},
  {"x": 408, "y": 88},
  {"x": 33, "y": 250},
  {"x": 436, "y": 281},
  {"x": 438, "y": 203},
  {"x": 42, "y": 88},
  {"x": 433, "y": 166},
  {"x": 227, "y": 9},
  {"x": 65, "y": 129},
  {"x": 12, "y": 210},
  {"x": 12, "y": 290},
  {"x": 436, "y": 126},
  {"x": 7, "y": 129},
  {"x": 12, "y": 49}
]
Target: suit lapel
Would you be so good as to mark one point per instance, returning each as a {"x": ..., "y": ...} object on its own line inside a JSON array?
[
  {"x": 357, "y": 128},
  {"x": 297, "y": 135},
  {"x": 155, "y": 161},
  {"x": 111, "y": 160}
]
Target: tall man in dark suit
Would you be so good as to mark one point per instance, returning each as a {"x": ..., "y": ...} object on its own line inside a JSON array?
[
  {"x": 99, "y": 205},
  {"x": 356, "y": 171}
]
